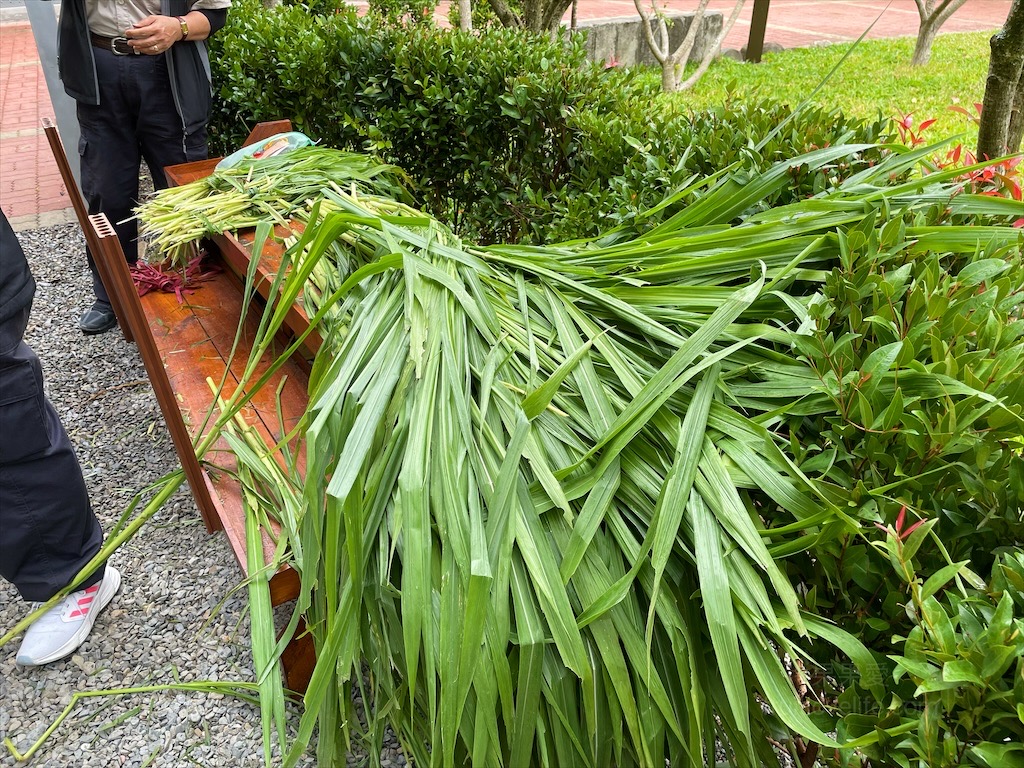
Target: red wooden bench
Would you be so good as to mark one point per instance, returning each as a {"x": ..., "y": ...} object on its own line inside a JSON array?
[{"x": 182, "y": 345}]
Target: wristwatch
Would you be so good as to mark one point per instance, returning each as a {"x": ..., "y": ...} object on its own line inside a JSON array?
[{"x": 184, "y": 27}]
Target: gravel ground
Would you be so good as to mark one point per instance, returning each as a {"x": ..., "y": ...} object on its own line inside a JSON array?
[{"x": 176, "y": 617}]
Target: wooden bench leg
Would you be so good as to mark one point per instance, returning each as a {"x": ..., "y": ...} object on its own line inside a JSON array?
[
  {"x": 298, "y": 660},
  {"x": 82, "y": 214}
]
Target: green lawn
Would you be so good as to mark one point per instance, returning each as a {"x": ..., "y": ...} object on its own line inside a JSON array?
[{"x": 877, "y": 77}]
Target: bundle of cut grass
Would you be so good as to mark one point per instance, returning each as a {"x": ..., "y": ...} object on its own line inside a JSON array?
[
  {"x": 272, "y": 189},
  {"x": 529, "y": 530}
]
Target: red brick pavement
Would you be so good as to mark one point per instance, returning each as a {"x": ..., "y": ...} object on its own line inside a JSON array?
[
  {"x": 30, "y": 184},
  {"x": 800, "y": 23},
  {"x": 32, "y": 194}
]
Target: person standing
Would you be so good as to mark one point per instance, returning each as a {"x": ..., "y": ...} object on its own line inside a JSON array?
[
  {"x": 140, "y": 74},
  {"x": 48, "y": 532}
]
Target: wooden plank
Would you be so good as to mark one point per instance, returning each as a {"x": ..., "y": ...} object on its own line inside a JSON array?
[
  {"x": 195, "y": 339},
  {"x": 298, "y": 659},
  {"x": 216, "y": 309},
  {"x": 82, "y": 214},
  {"x": 236, "y": 250},
  {"x": 186, "y": 173},
  {"x": 109, "y": 250},
  {"x": 266, "y": 130}
]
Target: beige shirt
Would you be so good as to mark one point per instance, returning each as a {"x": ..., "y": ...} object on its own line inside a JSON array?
[{"x": 111, "y": 18}]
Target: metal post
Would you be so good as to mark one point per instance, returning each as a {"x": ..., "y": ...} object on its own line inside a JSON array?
[
  {"x": 758, "y": 23},
  {"x": 42, "y": 15}
]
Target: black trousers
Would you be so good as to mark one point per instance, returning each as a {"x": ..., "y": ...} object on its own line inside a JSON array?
[
  {"x": 48, "y": 531},
  {"x": 135, "y": 120}
]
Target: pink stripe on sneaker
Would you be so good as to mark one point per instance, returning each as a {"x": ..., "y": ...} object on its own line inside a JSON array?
[{"x": 83, "y": 603}]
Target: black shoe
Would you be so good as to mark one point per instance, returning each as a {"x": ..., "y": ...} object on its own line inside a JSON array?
[{"x": 98, "y": 319}]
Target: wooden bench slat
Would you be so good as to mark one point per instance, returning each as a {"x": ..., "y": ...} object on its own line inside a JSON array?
[
  {"x": 194, "y": 339},
  {"x": 183, "y": 344}
]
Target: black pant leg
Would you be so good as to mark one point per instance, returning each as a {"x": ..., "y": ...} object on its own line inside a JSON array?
[
  {"x": 136, "y": 118},
  {"x": 162, "y": 137},
  {"x": 47, "y": 528},
  {"x": 109, "y": 153}
]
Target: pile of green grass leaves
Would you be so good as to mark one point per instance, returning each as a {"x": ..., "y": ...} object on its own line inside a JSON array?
[{"x": 531, "y": 525}]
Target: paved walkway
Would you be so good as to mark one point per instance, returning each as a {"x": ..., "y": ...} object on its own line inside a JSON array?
[
  {"x": 32, "y": 194},
  {"x": 801, "y": 23}
]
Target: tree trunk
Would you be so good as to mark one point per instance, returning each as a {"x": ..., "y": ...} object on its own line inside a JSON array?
[
  {"x": 1003, "y": 87},
  {"x": 672, "y": 62},
  {"x": 465, "y": 15},
  {"x": 923, "y": 48},
  {"x": 541, "y": 15},
  {"x": 669, "y": 78},
  {"x": 933, "y": 13},
  {"x": 554, "y": 11},
  {"x": 1015, "y": 134}
]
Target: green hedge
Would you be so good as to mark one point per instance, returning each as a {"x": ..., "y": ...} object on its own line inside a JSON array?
[
  {"x": 629, "y": 163},
  {"x": 473, "y": 120},
  {"x": 506, "y": 136}
]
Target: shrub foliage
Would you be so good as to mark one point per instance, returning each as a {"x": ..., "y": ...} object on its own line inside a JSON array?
[{"x": 509, "y": 137}]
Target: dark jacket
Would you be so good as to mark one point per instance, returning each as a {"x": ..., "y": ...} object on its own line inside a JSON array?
[
  {"x": 16, "y": 284},
  {"x": 187, "y": 63}
]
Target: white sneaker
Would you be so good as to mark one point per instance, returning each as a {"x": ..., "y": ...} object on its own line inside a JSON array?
[{"x": 64, "y": 627}]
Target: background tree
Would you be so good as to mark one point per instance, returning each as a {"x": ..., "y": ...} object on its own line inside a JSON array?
[
  {"x": 534, "y": 15},
  {"x": 933, "y": 13},
  {"x": 673, "y": 62},
  {"x": 1002, "y": 113},
  {"x": 465, "y": 15}
]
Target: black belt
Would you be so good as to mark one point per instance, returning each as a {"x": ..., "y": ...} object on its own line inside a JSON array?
[{"x": 116, "y": 45}]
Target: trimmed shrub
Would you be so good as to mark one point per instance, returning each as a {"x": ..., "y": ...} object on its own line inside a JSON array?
[
  {"x": 287, "y": 62},
  {"x": 507, "y": 136},
  {"x": 472, "y": 119},
  {"x": 630, "y": 163},
  {"x": 952, "y": 457}
]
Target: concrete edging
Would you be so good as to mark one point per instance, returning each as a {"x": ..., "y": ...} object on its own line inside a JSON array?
[{"x": 621, "y": 41}]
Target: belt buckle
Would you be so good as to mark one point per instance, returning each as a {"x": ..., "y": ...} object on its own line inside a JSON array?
[{"x": 119, "y": 46}]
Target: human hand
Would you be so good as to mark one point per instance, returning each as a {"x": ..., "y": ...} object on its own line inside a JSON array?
[{"x": 154, "y": 34}]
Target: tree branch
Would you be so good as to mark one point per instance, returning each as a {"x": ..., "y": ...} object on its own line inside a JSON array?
[
  {"x": 713, "y": 50},
  {"x": 505, "y": 14},
  {"x": 947, "y": 9},
  {"x": 659, "y": 52}
]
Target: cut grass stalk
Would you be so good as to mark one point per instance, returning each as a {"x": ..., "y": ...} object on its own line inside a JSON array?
[{"x": 543, "y": 522}]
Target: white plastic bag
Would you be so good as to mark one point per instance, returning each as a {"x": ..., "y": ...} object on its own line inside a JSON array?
[{"x": 269, "y": 147}]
